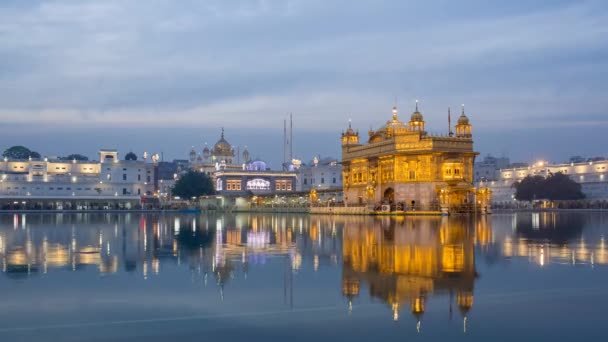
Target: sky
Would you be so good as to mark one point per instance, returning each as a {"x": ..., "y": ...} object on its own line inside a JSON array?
[{"x": 163, "y": 76}]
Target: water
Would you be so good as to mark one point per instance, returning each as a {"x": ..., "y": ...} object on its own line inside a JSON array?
[{"x": 132, "y": 277}]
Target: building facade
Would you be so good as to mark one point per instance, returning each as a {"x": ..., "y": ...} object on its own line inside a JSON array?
[
  {"x": 489, "y": 168},
  {"x": 320, "y": 175},
  {"x": 404, "y": 166},
  {"x": 245, "y": 183},
  {"x": 590, "y": 175},
  {"x": 47, "y": 178}
]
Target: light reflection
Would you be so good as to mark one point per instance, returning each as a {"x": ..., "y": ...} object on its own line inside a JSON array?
[{"x": 405, "y": 263}]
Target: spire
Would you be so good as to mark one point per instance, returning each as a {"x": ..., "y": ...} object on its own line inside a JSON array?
[
  {"x": 449, "y": 123},
  {"x": 394, "y": 113},
  {"x": 349, "y": 122},
  {"x": 462, "y": 110},
  {"x": 222, "y": 132},
  {"x": 416, "y": 105}
]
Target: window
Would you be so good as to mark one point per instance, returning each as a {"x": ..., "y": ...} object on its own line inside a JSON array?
[
  {"x": 139, "y": 177},
  {"x": 124, "y": 191},
  {"x": 322, "y": 180},
  {"x": 124, "y": 176},
  {"x": 283, "y": 185},
  {"x": 412, "y": 175},
  {"x": 233, "y": 185},
  {"x": 334, "y": 180},
  {"x": 139, "y": 191},
  {"x": 148, "y": 179},
  {"x": 305, "y": 181}
]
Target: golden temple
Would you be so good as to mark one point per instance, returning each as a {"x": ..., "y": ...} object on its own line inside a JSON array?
[{"x": 405, "y": 168}]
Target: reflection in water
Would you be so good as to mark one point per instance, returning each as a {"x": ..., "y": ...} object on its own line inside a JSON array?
[
  {"x": 546, "y": 238},
  {"x": 403, "y": 263}
]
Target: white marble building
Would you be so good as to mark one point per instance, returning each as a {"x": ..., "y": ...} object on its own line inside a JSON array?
[
  {"x": 591, "y": 175},
  {"x": 54, "y": 178},
  {"x": 320, "y": 175}
]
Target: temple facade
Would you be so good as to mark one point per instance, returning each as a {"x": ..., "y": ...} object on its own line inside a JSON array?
[{"x": 402, "y": 167}]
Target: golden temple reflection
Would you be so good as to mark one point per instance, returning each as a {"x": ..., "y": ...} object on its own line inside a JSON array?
[{"x": 405, "y": 262}]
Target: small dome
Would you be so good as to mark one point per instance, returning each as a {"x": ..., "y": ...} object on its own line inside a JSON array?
[
  {"x": 463, "y": 120},
  {"x": 131, "y": 156},
  {"x": 350, "y": 130},
  {"x": 256, "y": 165},
  {"x": 416, "y": 116}
]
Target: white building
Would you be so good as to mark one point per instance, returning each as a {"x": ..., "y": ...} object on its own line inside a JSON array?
[
  {"x": 62, "y": 179},
  {"x": 591, "y": 176},
  {"x": 489, "y": 168},
  {"x": 320, "y": 175}
]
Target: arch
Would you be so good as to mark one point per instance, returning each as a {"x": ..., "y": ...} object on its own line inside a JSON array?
[{"x": 389, "y": 195}]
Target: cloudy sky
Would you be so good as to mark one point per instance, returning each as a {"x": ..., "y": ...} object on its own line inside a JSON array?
[{"x": 166, "y": 75}]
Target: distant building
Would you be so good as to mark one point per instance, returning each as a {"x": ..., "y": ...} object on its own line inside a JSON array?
[
  {"x": 325, "y": 174},
  {"x": 235, "y": 174},
  {"x": 489, "y": 168},
  {"x": 246, "y": 183},
  {"x": 222, "y": 156},
  {"x": 52, "y": 179},
  {"x": 591, "y": 175}
]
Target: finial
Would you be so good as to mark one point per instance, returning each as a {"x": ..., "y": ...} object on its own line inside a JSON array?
[
  {"x": 463, "y": 109},
  {"x": 394, "y": 112},
  {"x": 222, "y": 132},
  {"x": 416, "y": 104},
  {"x": 349, "y": 122}
]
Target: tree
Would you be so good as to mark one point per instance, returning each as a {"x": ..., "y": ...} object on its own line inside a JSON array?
[
  {"x": 131, "y": 156},
  {"x": 193, "y": 184},
  {"x": 529, "y": 188},
  {"x": 75, "y": 156},
  {"x": 20, "y": 152},
  {"x": 559, "y": 187},
  {"x": 555, "y": 187}
]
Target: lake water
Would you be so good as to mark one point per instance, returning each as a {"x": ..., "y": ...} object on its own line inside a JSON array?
[{"x": 159, "y": 277}]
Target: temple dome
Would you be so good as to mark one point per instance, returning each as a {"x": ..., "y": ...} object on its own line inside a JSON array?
[
  {"x": 222, "y": 147},
  {"x": 463, "y": 120},
  {"x": 416, "y": 115}
]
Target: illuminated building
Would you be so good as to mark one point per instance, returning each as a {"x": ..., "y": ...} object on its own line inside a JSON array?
[
  {"x": 234, "y": 178},
  {"x": 404, "y": 166},
  {"x": 222, "y": 156},
  {"x": 55, "y": 183},
  {"x": 592, "y": 176}
]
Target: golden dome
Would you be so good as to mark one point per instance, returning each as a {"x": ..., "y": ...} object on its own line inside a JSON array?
[
  {"x": 222, "y": 147},
  {"x": 350, "y": 130},
  {"x": 463, "y": 119},
  {"x": 416, "y": 116}
]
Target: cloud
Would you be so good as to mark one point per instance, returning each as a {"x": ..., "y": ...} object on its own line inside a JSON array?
[{"x": 226, "y": 63}]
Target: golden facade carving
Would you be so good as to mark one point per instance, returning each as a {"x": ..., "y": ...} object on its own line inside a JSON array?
[{"x": 418, "y": 170}]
